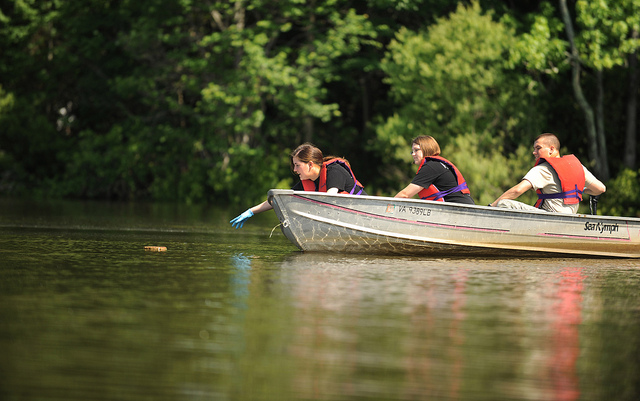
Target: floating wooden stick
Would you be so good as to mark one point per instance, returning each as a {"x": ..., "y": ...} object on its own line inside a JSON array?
[{"x": 155, "y": 248}]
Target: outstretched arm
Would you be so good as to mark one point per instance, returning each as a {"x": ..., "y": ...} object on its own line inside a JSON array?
[
  {"x": 239, "y": 221},
  {"x": 262, "y": 207},
  {"x": 409, "y": 191},
  {"x": 514, "y": 192}
]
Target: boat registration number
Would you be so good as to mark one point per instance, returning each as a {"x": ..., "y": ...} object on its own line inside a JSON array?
[{"x": 419, "y": 211}]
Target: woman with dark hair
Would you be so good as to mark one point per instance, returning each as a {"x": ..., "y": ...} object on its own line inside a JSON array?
[
  {"x": 437, "y": 178},
  {"x": 329, "y": 174}
]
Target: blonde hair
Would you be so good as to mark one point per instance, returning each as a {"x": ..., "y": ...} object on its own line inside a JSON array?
[{"x": 428, "y": 145}]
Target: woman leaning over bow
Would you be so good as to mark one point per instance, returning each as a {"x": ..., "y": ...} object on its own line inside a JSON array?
[{"x": 318, "y": 173}]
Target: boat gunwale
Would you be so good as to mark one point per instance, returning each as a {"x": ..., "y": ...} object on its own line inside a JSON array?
[{"x": 445, "y": 205}]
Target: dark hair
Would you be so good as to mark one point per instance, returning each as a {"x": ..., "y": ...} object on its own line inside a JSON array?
[
  {"x": 307, "y": 152},
  {"x": 549, "y": 139},
  {"x": 428, "y": 145}
]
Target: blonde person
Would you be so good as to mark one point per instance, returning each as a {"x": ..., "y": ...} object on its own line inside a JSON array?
[
  {"x": 437, "y": 178},
  {"x": 558, "y": 180},
  {"x": 329, "y": 174}
]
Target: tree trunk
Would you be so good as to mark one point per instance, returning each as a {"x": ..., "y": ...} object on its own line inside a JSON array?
[
  {"x": 632, "y": 102},
  {"x": 602, "y": 140},
  {"x": 577, "y": 90},
  {"x": 308, "y": 129}
]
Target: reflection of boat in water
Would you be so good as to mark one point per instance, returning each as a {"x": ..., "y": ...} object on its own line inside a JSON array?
[{"x": 316, "y": 221}]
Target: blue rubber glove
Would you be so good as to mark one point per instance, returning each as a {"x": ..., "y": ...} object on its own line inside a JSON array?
[{"x": 238, "y": 222}]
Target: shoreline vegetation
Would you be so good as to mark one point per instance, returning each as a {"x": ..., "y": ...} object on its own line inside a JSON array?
[{"x": 192, "y": 102}]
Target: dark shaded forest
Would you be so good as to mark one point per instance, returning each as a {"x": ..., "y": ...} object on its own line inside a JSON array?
[{"x": 202, "y": 101}]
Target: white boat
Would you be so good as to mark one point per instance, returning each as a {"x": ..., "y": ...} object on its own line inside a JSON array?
[{"x": 315, "y": 221}]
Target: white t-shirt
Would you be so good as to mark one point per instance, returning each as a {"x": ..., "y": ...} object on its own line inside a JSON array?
[{"x": 545, "y": 178}]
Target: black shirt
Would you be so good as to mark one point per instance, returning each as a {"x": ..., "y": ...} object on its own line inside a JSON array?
[
  {"x": 437, "y": 173},
  {"x": 337, "y": 177}
]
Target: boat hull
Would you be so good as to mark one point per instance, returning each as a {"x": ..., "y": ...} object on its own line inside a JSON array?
[{"x": 371, "y": 224}]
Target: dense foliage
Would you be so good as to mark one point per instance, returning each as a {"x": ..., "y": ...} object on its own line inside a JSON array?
[{"x": 201, "y": 101}]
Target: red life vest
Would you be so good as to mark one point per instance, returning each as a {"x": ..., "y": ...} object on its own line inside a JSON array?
[
  {"x": 432, "y": 192},
  {"x": 571, "y": 175},
  {"x": 310, "y": 185}
]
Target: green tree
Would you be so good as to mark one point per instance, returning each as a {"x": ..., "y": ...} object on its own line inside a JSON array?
[
  {"x": 279, "y": 58},
  {"x": 170, "y": 99},
  {"x": 623, "y": 195},
  {"x": 602, "y": 54},
  {"x": 609, "y": 40},
  {"x": 29, "y": 111},
  {"x": 454, "y": 81}
]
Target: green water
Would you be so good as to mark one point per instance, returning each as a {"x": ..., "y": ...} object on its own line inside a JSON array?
[{"x": 87, "y": 314}]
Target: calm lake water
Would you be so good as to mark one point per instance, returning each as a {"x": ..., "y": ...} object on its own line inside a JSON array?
[{"x": 87, "y": 314}]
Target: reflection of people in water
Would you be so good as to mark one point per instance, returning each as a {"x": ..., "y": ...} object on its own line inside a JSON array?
[
  {"x": 567, "y": 316},
  {"x": 438, "y": 331},
  {"x": 240, "y": 278}
]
